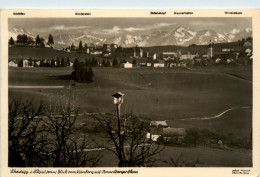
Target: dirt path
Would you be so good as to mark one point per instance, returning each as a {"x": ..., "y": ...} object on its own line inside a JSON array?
[
  {"x": 218, "y": 115},
  {"x": 35, "y": 87}
]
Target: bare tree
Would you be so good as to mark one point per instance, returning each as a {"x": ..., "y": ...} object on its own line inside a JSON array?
[
  {"x": 131, "y": 148},
  {"x": 25, "y": 141},
  {"x": 68, "y": 146},
  {"x": 39, "y": 139}
]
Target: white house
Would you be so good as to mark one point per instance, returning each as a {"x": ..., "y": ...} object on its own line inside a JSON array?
[
  {"x": 226, "y": 50},
  {"x": 230, "y": 60},
  {"x": 248, "y": 51},
  {"x": 37, "y": 63},
  {"x": 127, "y": 65},
  {"x": 159, "y": 64},
  {"x": 26, "y": 63},
  {"x": 188, "y": 56},
  {"x": 13, "y": 64},
  {"x": 169, "y": 55},
  {"x": 218, "y": 60},
  {"x": 149, "y": 64},
  {"x": 96, "y": 52}
]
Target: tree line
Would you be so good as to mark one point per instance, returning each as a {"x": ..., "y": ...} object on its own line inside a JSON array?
[{"x": 23, "y": 39}]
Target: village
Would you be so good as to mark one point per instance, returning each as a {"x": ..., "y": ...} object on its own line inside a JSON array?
[
  {"x": 169, "y": 96},
  {"x": 112, "y": 55}
]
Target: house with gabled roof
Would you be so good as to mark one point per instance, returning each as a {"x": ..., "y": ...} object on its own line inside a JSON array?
[
  {"x": 13, "y": 63},
  {"x": 160, "y": 129}
]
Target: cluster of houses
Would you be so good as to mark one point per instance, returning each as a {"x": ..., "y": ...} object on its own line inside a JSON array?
[
  {"x": 141, "y": 58},
  {"x": 160, "y": 129},
  {"x": 104, "y": 51},
  {"x": 179, "y": 59},
  {"x": 37, "y": 63}
]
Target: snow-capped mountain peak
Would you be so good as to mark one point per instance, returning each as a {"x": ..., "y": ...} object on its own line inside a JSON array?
[
  {"x": 248, "y": 30},
  {"x": 183, "y": 35},
  {"x": 13, "y": 32},
  {"x": 178, "y": 36},
  {"x": 235, "y": 31}
]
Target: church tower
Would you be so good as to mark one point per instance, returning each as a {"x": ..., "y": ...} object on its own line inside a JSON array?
[
  {"x": 210, "y": 50},
  {"x": 141, "y": 53}
]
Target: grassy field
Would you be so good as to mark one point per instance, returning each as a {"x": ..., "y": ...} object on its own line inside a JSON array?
[
  {"x": 157, "y": 94},
  {"x": 218, "y": 157},
  {"x": 171, "y": 94}
]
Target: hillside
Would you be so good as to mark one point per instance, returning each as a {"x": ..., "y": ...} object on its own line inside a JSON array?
[
  {"x": 43, "y": 53},
  {"x": 48, "y": 53}
]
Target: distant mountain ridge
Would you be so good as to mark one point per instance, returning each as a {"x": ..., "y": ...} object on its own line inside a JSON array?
[{"x": 179, "y": 36}]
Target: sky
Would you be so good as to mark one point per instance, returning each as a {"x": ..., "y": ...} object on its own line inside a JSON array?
[{"x": 138, "y": 26}]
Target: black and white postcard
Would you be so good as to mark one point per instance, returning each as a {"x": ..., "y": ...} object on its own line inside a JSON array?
[{"x": 130, "y": 92}]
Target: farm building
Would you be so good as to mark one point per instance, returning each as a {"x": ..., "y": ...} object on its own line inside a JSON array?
[
  {"x": 174, "y": 134},
  {"x": 161, "y": 129},
  {"x": 12, "y": 63},
  {"x": 156, "y": 129},
  {"x": 127, "y": 65}
]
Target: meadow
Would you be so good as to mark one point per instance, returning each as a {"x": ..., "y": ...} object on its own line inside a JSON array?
[
  {"x": 176, "y": 93},
  {"x": 173, "y": 94},
  {"x": 152, "y": 93},
  {"x": 218, "y": 157}
]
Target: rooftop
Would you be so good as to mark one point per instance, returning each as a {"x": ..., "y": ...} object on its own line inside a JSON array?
[{"x": 157, "y": 123}]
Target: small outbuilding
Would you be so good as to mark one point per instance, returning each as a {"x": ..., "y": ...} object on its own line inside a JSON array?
[
  {"x": 127, "y": 65},
  {"x": 12, "y": 63}
]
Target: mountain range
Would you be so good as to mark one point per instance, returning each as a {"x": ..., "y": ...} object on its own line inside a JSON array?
[{"x": 180, "y": 36}]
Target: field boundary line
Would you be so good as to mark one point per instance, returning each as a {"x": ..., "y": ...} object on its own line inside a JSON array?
[{"x": 35, "y": 87}]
